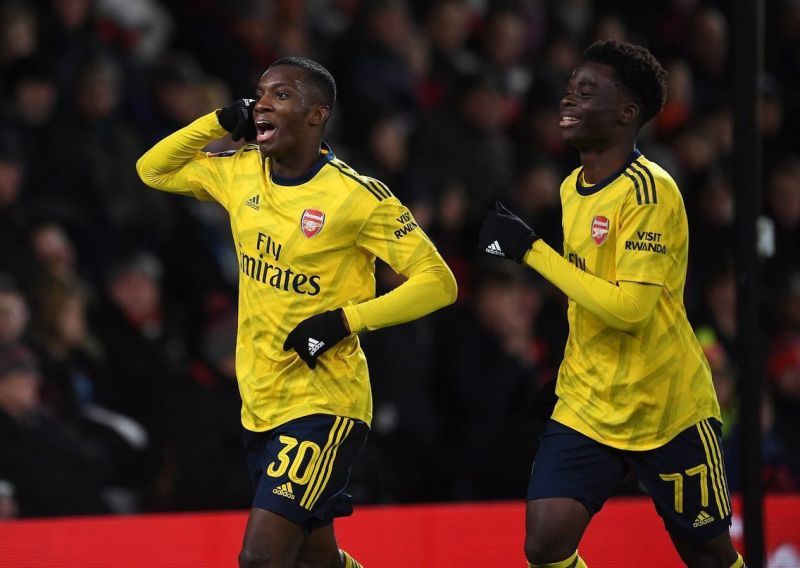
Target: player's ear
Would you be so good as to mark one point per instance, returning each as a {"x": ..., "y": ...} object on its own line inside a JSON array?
[
  {"x": 319, "y": 115},
  {"x": 629, "y": 113}
]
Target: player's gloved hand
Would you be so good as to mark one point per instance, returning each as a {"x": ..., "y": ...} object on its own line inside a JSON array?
[
  {"x": 504, "y": 234},
  {"x": 315, "y": 335},
  {"x": 237, "y": 118}
]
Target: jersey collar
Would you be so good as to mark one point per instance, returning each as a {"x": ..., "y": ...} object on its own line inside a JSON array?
[
  {"x": 592, "y": 189},
  {"x": 325, "y": 156}
]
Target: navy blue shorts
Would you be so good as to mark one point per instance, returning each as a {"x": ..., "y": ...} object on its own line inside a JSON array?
[
  {"x": 301, "y": 469},
  {"x": 685, "y": 477}
]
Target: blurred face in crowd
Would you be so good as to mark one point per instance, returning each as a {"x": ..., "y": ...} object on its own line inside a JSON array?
[
  {"x": 288, "y": 111},
  {"x": 13, "y": 316},
  {"x": 10, "y": 182},
  {"x": 390, "y": 26},
  {"x": 716, "y": 201},
  {"x": 592, "y": 107},
  {"x": 388, "y": 142},
  {"x": 18, "y": 34},
  {"x": 500, "y": 309},
  {"x": 680, "y": 89},
  {"x": 710, "y": 40},
  {"x": 54, "y": 249},
  {"x": 448, "y": 25},
  {"x": 784, "y": 197},
  {"x": 137, "y": 294},
  {"x": 36, "y": 99},
  {"x": 485, "y": 108},
  {"x": 98, "y": 95},
  {"x": 505, "y": 40},
  {"x": 19, "y": 392},
  {"x": 538, "y": 188},
  {"x": 72, "y": 13}
]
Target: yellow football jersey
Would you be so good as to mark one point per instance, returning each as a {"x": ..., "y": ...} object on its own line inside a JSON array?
[
  {"x": 305, "y": 245},
  {"x": 631, "y": 390}
]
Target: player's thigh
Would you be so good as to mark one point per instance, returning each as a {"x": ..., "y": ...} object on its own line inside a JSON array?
[
  {"x": 319, "y": 550},
  {"x": 686, "y": 480},
  {"x": 571, "y": 479},
  {"x": 302, "y": 468},
  {"x": 269, "y": 541}
]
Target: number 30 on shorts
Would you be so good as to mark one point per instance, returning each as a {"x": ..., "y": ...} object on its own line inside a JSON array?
[{"x": 278, "y": 467}]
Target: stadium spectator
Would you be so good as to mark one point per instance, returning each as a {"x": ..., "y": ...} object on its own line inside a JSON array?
[
  {"x": 493, "y": 336},
  {"x": 145, "y": 344},
  {"x": 14, "y": 312},
  {"x": 468, "y": 143},
  {"x": 35, "y": 446}
]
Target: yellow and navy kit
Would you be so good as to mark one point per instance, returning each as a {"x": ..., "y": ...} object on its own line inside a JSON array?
[
  {"x": 305, "y": 245},
  {"x": 629, "y": 389}
]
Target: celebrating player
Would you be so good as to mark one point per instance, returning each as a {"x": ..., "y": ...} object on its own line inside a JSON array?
[
  {"x": 307, "y": 230},
  {"x": 634, "y": 388}
]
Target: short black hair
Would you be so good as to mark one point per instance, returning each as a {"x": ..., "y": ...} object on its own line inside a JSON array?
[
  {"x": 321, "y": 79},
  {"x": 636, "y": 70}
]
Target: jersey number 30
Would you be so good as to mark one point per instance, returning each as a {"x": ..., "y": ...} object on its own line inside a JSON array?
[{"x": 278, "y": 467}]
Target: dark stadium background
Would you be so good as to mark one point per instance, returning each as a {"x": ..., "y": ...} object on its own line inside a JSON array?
[{"x": 126, "y": 297}]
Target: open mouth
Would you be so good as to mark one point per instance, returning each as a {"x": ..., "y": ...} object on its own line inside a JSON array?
[
  {"x": 264, "y": 131},
  {"x": 568, "y": 121}
]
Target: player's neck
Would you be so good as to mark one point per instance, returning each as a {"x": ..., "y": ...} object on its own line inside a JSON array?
[
  {"x": 295, "y": 164},
  {"x": 599, "y": 164}
]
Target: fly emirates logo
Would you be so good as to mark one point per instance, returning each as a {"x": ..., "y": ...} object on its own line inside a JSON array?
[{"x": 264, "y": 268}]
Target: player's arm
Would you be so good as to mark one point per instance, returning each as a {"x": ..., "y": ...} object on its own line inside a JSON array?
[
  {"x": 391, "y": 234},
  {"x": 429, "y": 287},
  {"x": 177, "y": 163},
  {"x": 626, "y": 306}
]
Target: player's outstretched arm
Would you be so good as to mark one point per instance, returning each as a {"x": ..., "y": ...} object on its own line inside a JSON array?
[
  {"x": 168, "y": 165},
  {"x": 626, "y": 306}
]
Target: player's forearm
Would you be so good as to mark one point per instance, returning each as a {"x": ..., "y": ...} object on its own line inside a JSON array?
[
  {"x": 626, "y": 307},
  {"x": 163, "y": 166},
  {"x": 430, "y": 286}
]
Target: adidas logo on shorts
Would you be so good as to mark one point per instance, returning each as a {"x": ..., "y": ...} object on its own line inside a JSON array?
[
  {"x": 495, "y": 249},
  {"x": 284, "y": 490},
  {"x": 703, "y": 518}
]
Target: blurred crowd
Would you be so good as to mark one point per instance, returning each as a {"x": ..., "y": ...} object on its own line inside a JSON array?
[{"x": 118, "y": 303}]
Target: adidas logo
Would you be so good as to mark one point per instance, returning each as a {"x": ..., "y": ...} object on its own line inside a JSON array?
[
  {"x": 495, "y": 249},
  {"x": 253, "y": 202},
  {"x": 314, "y": 345},
  {"x": 703, "y": 518},
  {"x": 284, "y": 490}
]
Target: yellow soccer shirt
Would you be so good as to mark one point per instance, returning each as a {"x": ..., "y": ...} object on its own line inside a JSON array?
[
  {"x": 636, "y": 390},
  {"x": 305, "y": 246}
]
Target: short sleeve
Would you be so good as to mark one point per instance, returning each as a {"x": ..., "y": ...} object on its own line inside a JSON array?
[
  {"x": 391, "y": 233},
  {"x": 645, "y": 239}
]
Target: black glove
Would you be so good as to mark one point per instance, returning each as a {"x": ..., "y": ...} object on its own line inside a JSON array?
[
  {"x": 504, "y": 234},
  {"x": 315, "y": 335},
  {"x": 237, "y": 118}
]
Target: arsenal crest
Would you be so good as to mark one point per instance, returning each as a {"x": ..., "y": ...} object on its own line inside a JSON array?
[
  {"x": 311, "y": 222},
  {"x": 600, "y": 226}
]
